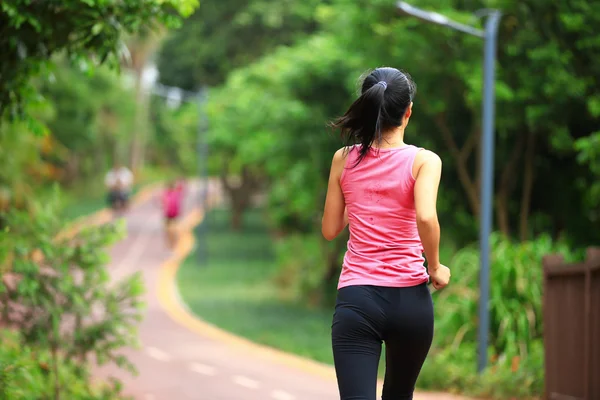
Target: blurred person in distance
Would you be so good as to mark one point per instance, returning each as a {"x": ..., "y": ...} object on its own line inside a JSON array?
[
  {"x": 118, "y": 182},
  {"x": 171, "y": 202}
]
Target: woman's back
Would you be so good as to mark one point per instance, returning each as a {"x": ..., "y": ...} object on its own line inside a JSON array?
[
  {"x": 388, "y": 198},
  {"x": 384, "y": 247}
]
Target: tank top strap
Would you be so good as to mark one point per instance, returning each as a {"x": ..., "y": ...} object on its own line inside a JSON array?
[
  {"x": 351, "y": 157},
  {"x": 413, "y": 150}
]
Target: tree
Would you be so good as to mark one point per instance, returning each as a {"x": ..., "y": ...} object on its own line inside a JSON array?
[
  {"x": 540, "y": 117},
  {"x": 274, "y": 124},
  {"x": 141, "y": 48},
  {"x": 92, "y": 114},
  {"x": 175, "y": 135},
  {"x": 24, "y": 164},
  {"x": 224, "y": 35},
  {"x": 34, "y": 31},
  {"x": 206, "y": 50}
]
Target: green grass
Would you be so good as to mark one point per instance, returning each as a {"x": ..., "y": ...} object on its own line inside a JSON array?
[
  {"x": 83, "y": 206},
  {"x": 235, "y": 291},
  {"x": 84, "y": 200}
]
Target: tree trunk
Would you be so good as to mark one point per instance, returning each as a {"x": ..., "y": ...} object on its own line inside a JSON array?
[
  {"x": 72, "y": 169},
  {"x": 528, "y": 180},
  {"x": 461, "y": 157},
  {"x": 507, "y": 184},
  {"x": 238, "y": 208},
  {"x": 144, "y": 134},
  {"x": 141, "y": 48},
  {"x": 240, "y": 195},
  {"x": 502, "y": 214},
  {"x": 137, "y": 140}
]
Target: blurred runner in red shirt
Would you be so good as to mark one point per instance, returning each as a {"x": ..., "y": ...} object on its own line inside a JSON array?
[{"x": 172, "y": 198}]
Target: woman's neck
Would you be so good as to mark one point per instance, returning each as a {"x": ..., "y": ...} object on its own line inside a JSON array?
[{"x": 392, "y": 138}]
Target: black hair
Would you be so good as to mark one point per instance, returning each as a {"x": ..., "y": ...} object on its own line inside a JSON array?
[{"x": 385, "y": 95}]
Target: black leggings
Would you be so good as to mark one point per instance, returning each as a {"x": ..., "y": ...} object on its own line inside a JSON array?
[{"x": 364, "y": 317}]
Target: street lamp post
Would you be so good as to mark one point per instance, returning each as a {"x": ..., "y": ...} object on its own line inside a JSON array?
[{"x": 489, "y": 35}]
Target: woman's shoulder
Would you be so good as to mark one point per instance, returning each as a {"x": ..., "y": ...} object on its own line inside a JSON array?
[
  {"x": 424, "y": 156},
  {"x": 342, "y": 154}
]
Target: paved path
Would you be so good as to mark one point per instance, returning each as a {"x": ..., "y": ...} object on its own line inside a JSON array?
[{"x": 177, "y": 363}]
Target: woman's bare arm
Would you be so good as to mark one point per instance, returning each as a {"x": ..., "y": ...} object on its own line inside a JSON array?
[
  {"x": 335, "y": 217},
  {"x": 429, "y": 172}
]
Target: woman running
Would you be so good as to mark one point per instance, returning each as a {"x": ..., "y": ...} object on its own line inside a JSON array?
[
  {"x": 386, "y": 190},
  {"x": 172, "y": 198}
]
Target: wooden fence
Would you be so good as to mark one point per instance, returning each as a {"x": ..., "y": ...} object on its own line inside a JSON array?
[{"x": 572, "y": 327}]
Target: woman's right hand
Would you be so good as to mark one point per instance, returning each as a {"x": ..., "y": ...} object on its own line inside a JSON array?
[{"x": 440, "y": 276}]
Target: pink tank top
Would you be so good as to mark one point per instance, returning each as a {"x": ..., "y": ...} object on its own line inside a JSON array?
[
  {"x": 384, "y": 247},
  {"x": 172, "y": 202}
]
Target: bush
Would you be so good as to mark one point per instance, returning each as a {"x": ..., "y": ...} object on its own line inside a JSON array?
[
  {"x": 516, "y": 353},
  {"x": 57, "y": 292},
  {"x": 24, "y": 375},
  {"x": 309, "y": 267},
  {"x": 453, "y": 369},
  {"x": 302, "y": 260},
  {"x": 516, "y": 346}
]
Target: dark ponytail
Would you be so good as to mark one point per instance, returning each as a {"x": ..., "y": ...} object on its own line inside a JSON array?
[{"x": 386, "y": 94}]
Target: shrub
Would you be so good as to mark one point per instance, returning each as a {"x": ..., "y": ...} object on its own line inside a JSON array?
[
  {"x": 309, "y": 267},
  {"x": 24, "y": 375},
  {"x": 516, "y": 348},
  {"x": 57, "y": 292}
]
